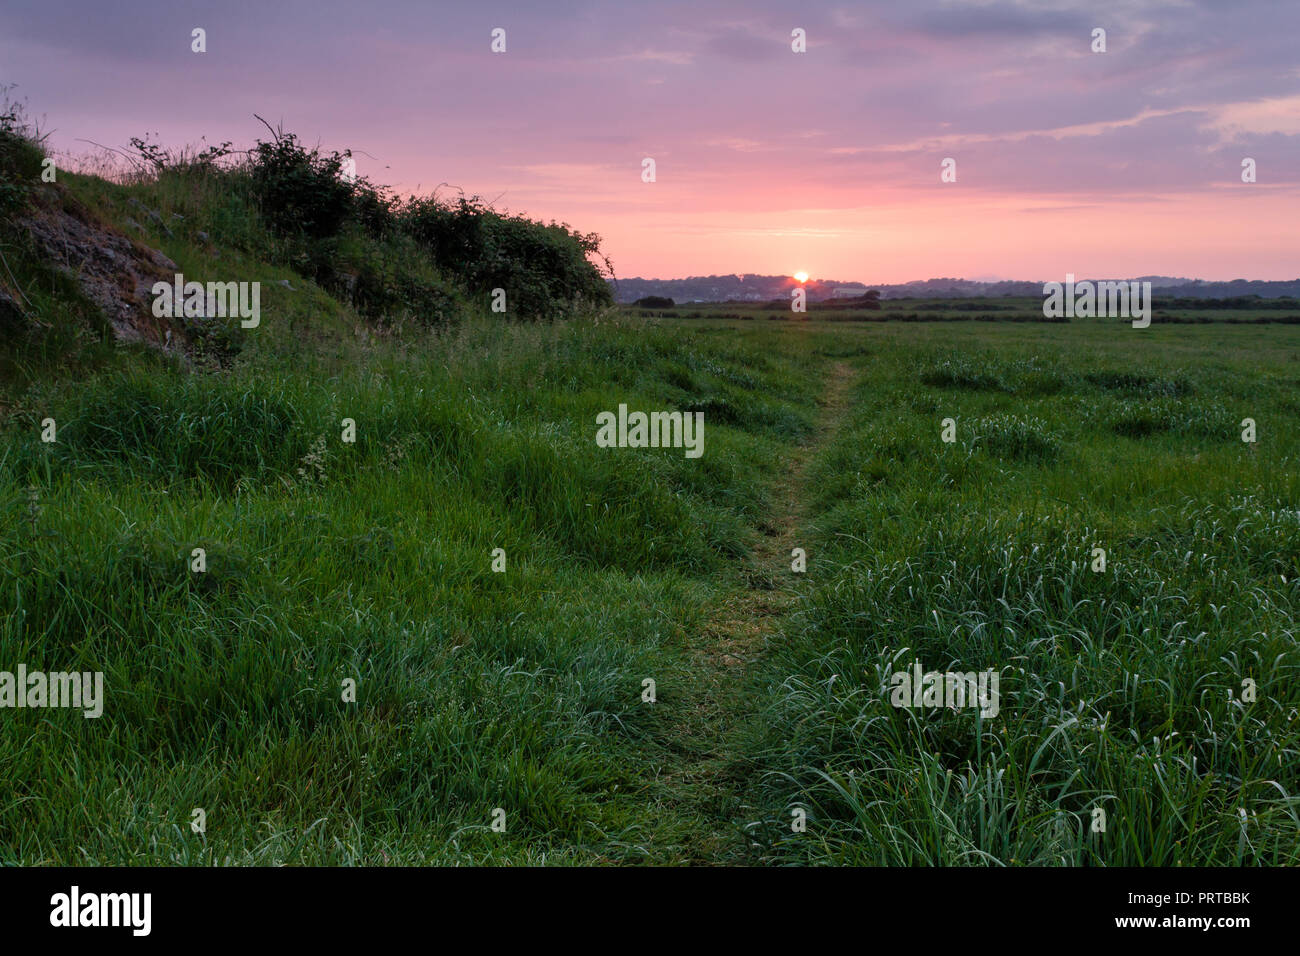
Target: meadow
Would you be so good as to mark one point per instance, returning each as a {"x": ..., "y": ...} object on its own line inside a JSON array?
[
  {"x": 365, "y": 590},
  {"x": 476, "y": 689},
  {"x": 1123, "y": 687},
  {"x": 523, "y": 690}
]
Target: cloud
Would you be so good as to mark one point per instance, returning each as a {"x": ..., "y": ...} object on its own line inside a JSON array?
[
  {"x": 1279, "y": 114},
  {"x": 1045, "y": 132}
]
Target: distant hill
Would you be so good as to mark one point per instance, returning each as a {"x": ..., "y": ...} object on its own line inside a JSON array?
[
  {"x": 747, "y": 288},
  {"x": 756, "y": 288}
]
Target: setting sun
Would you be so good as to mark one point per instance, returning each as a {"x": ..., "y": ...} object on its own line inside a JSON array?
[{"x": 801, "y": 276}]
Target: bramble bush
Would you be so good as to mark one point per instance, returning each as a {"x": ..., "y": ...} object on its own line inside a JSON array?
[
  {"x": 543, "y": 268},
  {"x": 356, "y": 239},
  {"x": 304, "y": 192}
]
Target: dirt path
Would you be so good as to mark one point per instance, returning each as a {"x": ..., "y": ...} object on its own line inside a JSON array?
[{"x": 707, "y": 780}]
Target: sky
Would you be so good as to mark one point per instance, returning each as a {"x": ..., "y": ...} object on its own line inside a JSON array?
[{"x": 767, "y": 161}]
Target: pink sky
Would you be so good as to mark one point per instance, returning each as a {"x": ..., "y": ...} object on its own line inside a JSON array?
[{"x": 768, "y": 161}]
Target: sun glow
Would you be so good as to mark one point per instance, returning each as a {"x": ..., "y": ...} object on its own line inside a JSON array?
[{"x": 801, "y": 276}]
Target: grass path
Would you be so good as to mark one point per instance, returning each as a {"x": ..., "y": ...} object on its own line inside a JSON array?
[{"x": 705, "y": 779}]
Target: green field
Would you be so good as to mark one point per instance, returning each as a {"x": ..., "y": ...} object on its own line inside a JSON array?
[
  {"x": 1166, "y": 310},
  {"x": 522, "y": 690}
]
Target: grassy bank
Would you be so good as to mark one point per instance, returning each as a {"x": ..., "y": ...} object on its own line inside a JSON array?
[{"x": 373, "y": 561}]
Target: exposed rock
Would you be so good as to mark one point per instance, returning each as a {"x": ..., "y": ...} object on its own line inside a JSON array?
[{"x": 113, "y": 271}]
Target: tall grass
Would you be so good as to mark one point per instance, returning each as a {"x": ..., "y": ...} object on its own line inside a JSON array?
[
  {"x": 369, "y": 561},
  {"x": 1121, "y": 690}
]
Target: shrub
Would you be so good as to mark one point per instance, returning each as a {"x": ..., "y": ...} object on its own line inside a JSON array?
[
  {"x": 543, "y": 268},
  {"x": 334, "y": 223},
  {"x": 303, "y": 192}
]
